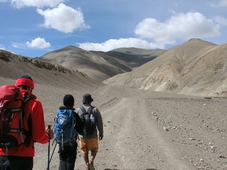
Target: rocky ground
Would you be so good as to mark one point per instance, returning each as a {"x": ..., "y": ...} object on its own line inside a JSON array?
[
  {"x": 155, "y": 131},
  {"x": 145, "y": 130}
]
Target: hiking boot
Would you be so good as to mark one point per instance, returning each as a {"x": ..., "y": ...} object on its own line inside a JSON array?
[{"x": 91, "y": 166}]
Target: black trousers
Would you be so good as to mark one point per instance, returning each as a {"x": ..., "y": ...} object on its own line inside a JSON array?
[
  {"x": 18, "y": 163},
  {"x": 4, "y": 163},
  {"x": 67, "y": 156}
]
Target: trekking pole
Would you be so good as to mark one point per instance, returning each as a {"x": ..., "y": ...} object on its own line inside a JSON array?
[
  {"x": 48, "y": 156},
  {"x": 53, "y": 150}
]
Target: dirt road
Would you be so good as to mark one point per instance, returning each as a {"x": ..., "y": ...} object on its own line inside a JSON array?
[{"x": 149, "y": 131}]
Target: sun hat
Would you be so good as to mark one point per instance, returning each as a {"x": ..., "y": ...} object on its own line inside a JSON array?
[{"x": 87, "y": 98}]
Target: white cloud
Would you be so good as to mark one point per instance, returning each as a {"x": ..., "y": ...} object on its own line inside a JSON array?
[
  {"x": 63, "y": 18},
  {"x": 19, "y": 45},
  {"x": 221, "y": 20},
  {"x": 38, "y": 43},
  {"x": 2, "y": 47},
  {"x": 15, "y": 45},
  {"x": 35, "y": 3},
  {"x": 118, "y": 43},
  {"x": 179, "y": 26},
  {"x": 221, "y": 3}
]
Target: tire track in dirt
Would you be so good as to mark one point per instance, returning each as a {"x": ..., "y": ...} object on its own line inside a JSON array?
[{"x": 133, "y": 139}]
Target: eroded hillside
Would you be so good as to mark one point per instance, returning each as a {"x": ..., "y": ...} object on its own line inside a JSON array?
[
  {"x": 193, "y": 68},
  {"x": 13, "y": 66}
]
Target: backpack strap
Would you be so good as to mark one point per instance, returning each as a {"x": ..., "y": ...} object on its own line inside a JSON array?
[
  {"x": 28, "y": 132},
  {"x": 88, "y": 111}
]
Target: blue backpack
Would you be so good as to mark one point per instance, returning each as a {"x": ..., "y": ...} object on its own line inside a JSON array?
[{"x": 64, "y": 131}]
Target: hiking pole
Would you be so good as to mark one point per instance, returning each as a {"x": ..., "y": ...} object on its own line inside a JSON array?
[
  {"x": 48, "y": 156},
  {"x": 53, "y": 150}
]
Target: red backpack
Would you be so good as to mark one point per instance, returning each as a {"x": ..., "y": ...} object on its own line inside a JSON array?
[{"x": 12, "y": 132}]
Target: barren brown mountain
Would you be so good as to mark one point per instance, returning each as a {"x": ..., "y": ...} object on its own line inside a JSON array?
[
  {"x": 143, "y": 129},
  {"x": 193, "y": 68},
  {"x": 100, "y": 65}
]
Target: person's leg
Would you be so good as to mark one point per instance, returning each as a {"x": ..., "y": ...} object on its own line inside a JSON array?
[
  {"x": 20, "y": 163},
  {"x": 93, "y": 155},
  {"x": 4, "y": 163},
  {"x": 71, "y": 156},
  {"x": 93, "y": 147},
  {"x": 84, "y": 151},
  {"x": 92, "y": 158},
  {"x": 62, "y": 165},
  {"x": 62, "y": 159}
]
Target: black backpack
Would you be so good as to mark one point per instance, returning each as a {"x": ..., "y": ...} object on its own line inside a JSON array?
[{"x": 88, "y": 119}]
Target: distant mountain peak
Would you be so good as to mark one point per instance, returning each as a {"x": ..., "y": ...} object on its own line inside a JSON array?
[{"x": 197, "y": 40}]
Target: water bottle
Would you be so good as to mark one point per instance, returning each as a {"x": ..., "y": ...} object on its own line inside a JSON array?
[{"x": 92, "y": 119}]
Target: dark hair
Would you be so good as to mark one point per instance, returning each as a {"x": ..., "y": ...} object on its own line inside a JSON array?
[
  {"x": 26, "y": 76},
  {"x": 68, "y": 100}
]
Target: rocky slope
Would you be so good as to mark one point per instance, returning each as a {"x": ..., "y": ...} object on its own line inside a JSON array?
[
  {"x": 193, "y": 68},
  {"x": 100, "y": 65}
]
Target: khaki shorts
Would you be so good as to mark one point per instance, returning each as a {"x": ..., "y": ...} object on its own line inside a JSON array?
[{"x": 88, "y": 145}]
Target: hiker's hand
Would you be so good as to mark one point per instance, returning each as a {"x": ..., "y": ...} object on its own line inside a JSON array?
[
  {"x": 100, "y": 137},
  {"x": 50, "y": 133}
]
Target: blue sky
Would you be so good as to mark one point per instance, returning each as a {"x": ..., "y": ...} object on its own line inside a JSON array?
[{"x": 33, "y": 28}]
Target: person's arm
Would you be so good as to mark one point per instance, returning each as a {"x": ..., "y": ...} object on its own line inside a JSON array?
[
  {"x": 99, "y": 123},
  {"x": 39, "y": 132},
  {"x": 79, "y": 124}
]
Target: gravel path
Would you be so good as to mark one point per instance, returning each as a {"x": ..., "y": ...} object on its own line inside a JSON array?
[{"x": 147, "y": 131}]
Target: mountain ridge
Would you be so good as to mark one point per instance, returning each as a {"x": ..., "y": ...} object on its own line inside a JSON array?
[
  {"x": 183, "y": 69},
  {"x": 96, "y": 64},
  {"x": 195, "y": 67}
]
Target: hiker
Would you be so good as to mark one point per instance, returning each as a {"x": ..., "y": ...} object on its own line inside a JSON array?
[
  {"x": 21, "y": 157},
  {"x": 89, "y": 142},
  {"x": 68, "y": 151}
]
